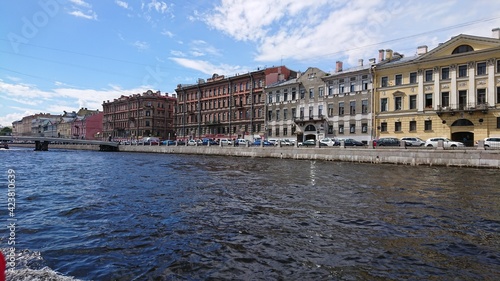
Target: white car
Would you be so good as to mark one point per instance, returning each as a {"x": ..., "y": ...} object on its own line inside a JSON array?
[
  {"x": 433, "y": 142},
  {"x": 191, "y": 143},
  {"x": 492, "y": 142},
  {"x": 328, "y": 142},
  {"x": 413, "y": 141},
  {"x": 225, "y": 142}
]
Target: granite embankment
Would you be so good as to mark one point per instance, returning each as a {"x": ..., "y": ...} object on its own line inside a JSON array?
[{"x": 468, "y": 157}]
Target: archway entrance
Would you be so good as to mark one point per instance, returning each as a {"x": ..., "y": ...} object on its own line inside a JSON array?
[
  {"x": 463, "y": 131},
  {"x": 310, "y": 132}
]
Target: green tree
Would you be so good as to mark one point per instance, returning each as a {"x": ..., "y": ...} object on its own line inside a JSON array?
[{"x": 6, "y": 131}]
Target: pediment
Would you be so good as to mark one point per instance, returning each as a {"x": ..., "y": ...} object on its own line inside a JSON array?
[{"x": 459, "y": 45}]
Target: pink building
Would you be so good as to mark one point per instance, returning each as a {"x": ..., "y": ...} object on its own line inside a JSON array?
[{"x": 87, "y": 127}]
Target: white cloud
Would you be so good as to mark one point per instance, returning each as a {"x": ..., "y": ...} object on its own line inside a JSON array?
[
  {"x": 141, "y": 45},
  {"x": 177, "y": 53},
  {"x": 209, "y": 68},
  {"x": 81, "y": 3},
  {"x": 159, "y": 6},
  {"x": 167, "y": 33},
  {"x": 123, "y": 4},
  {"x": 90, "y": 15}
]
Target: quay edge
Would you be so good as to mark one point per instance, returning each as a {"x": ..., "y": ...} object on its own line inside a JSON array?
[{"x": 470, "y": 157}]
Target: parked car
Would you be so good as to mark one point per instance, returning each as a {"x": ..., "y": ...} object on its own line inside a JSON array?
[
  {"x": 291, "y": 142},
  {"x": 192, "y": 143},
  {"x": 309, "y": 142},
  {"x": 242, "y": 142},
  {"x": 388, "y": 142},
  {"x": 433, "y": 142},
  {"x": 225, "y": 141},
  {"x": 353, "y": 142},
  {"x": 207, "y": 141},
  {"x": 257, "y": 142},
  {"x": 328, "y": 142},
  {"x": 413, "y": 141},
  {"x": 181, "y": 142},
  {"x": 150, "y": 141},
  {"x": 492, "y": 142},
  {"x": 168, "y": 142}
]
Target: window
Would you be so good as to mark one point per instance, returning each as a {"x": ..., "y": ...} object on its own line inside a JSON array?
[
  {"x": 399, "y": 79},
  {"x": 481, "y": 96},
  {"x": 364, "y": 127},
  {"x": 285, "y": 95},
  {"x": 384, "y": 81},
  {"x": 383, "y": 127},
  {"x": 277, "y": 132},
  {"x": 462, "y": 71},
  {"x": 462, "y": 49},
  {"x": 413, "y": 126},
  {"x": 498, "y": 66},
  {"x": 294, "y": 94},
  {"x": 397, "y": 126},
  {"x": 330, "y": 129},
  {"x": 148, "y": 113},
  {"x": 270, "y": 100},
  {"x": 462, "y": 99},
  {"x": 364, "y": 106},
  {"x": 341, "y": 88},
  {"x": 413, "y": 77},
  {"x": 277, "y": 115},
  {"x": 278, "y": 97},
  {"x": 311, "y": 93},
  {"x": 285, "y": 131},
  {"x": 330, "y": 90},
  {"x": 321, "y": 91},
  {"x": 330, "y": 109},
  {"x": 294, "y": 112},
  {"x": 352, "y": 108},
  {"x": 365, "y": 85},
  {"x": 341, "y": 108},
  {"x": 351, "y": 88},
  {"x": 270, "y": 115},
  {"x": 320, "y": 110},
  {"x": 498, "y": 94},
  {"x": 311, "y": 112},
  {"x": 428, "y": 125},
  {"x": 428, "y": 76},
  {"x": 302, "y": 94},
  {"x": 445, "y": 73},
  {"x": 341, "y": 129},
  {"x": 428, "y": 100},
  {"x": 413, "y": 102},
  {"x": 383, "y": 104},
  {"x": 498, "y": 122},
  {"x": 147, "y": 123},
  {"x": 352, "y": 128},
  {"x": 285, "y": 114},
  {"x": 398, "y": 101},
  {"x": 270, "y": 132},
  {"x": 481, "y": 68},
  {"x": 301, "y": 113},
  {"x": 445, "y": 99}
]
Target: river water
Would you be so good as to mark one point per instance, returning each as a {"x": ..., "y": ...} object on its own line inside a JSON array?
[{"x": 132, "y": 216}]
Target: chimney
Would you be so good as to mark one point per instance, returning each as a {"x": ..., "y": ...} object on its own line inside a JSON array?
[
  {"x": 380, "y": 55},
  {"x": 338, "y": 67},
  {"x": 421, "y": 50},
  {"x": 496, "y": 33},
  {"x": 360, "y": 62},
  {"x": 388, "y": 54},
  {"x": 372, "y": 60}
]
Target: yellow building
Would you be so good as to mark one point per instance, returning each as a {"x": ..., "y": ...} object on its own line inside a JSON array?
[{"x": 451, "y": 91}]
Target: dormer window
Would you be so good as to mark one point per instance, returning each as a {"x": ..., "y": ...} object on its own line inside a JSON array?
[{"x": 462, "y": 49}]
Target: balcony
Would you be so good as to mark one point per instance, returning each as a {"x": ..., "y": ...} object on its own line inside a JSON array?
[
  {"x": 463, "y": 107},
  {"x": 310, "y": 118}
]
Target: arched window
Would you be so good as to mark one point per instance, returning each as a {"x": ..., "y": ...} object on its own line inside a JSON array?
[
  {"x": 462, "y": 122},
  {"x": 310, "y": 128},
  {"x": 462, "y": 49}
]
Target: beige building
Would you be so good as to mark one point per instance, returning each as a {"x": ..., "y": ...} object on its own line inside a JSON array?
[{"x": 451, "y": 91}]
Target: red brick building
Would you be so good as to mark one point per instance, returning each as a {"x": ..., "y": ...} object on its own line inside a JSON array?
[
  {"x": 226, "y": 107},
  {"x": 149, "y": 114}
]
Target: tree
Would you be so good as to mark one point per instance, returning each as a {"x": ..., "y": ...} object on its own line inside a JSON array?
[{"x": 6, "y": 131}]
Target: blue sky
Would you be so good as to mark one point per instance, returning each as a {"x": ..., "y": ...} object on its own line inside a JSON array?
[{"x": 58, "y": 55}]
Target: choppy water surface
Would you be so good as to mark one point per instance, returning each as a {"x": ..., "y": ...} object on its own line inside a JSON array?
[{"x": 123, "y": 216}]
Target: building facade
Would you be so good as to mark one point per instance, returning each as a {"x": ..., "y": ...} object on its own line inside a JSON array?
[
  {"x": 348, "y": 102},
  {"x": 149, "y": 114},
  {"x": 451, "y": 91},
  {"x": 225, "y": 107}
]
